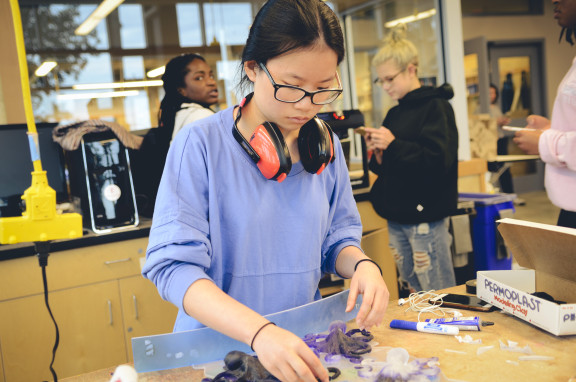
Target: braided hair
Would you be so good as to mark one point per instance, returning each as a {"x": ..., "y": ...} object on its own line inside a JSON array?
[{"x": 569, "y": 32}]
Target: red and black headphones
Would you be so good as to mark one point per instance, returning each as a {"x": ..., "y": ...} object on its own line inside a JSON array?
[{"x": 269, "y": 151}]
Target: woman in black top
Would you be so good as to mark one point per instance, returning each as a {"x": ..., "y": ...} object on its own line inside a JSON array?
[{"x": 416, "y": 160}]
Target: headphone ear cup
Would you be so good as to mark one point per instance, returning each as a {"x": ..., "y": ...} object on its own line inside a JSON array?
[
  {"x": 316, "y": 145},
  {"x": 275, "y": 162}
]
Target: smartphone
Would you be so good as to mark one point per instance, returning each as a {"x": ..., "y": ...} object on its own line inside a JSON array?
[
  {"x": 112, "y": 201},
  {"x": 460, "y": 301},
  {"x": 514, "y": 128}
]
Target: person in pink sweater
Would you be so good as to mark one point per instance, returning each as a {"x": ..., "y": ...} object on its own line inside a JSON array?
[{"x": 555, "y": 140}]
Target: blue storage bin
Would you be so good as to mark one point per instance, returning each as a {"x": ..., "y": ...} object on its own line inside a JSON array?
[{"x": 490, "y": 253}]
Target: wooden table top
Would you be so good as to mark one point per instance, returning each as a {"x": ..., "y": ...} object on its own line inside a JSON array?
[{"x": 458, "y": 361}]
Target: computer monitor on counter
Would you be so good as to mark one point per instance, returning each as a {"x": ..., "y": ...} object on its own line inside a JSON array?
[{"x": 16, "y": 165}]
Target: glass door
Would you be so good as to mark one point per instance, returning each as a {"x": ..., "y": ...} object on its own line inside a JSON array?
[
  {"x": 476, "y": 69},
  {"x": 365, "y": 29},
  {"x": 516, "y": 68}
]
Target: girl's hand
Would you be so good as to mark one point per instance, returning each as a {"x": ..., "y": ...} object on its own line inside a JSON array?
[
  {"x": 368, "y": 281},
  {"x": 527, "y": 141},
  {"x": 503, "y": 120},
  {"x": 537, "y": 122},
  {"x": 287, "y": 357},
  {"x": 378, "y": 139}
]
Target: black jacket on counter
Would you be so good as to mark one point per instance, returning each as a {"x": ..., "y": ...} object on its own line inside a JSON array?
[{"x": 418, "y": 178}]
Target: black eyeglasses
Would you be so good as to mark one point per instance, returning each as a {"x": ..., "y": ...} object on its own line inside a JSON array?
[
  {"x": 387, "y": 80},
  {"x": 293, "y": 94}
]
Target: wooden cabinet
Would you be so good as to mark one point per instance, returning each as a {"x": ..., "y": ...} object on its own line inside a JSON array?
[
  {"x": 144, "y": 312},
  {"x": 375, "y": 245},
  {"x": 99, "y": 300},
  {"x": 90, "y": 323},
  {"x": 1, "y": 366}
]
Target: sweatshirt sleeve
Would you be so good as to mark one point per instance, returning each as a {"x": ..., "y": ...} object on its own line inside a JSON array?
[
  {"x": 558, "y": 148},
  {"x": 433, "y": 151},
  {"x": 179, "y": 249},
  {"x": 373, "y": 165},
  {"x": 346, "y": 227}
]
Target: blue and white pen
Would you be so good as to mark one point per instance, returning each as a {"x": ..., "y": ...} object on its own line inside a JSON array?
[{"x": 425, "y": 327}]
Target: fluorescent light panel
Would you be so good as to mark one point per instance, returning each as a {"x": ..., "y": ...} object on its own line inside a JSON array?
[
  {"x": 156, "y": 72},
  {"x": 411, "y": 18},
  {"x": 103, "y": 10},
  {"x": 116, "y": 85},
  {"x": 127, "y": 93},
  {"x": 45, "y": 68}
]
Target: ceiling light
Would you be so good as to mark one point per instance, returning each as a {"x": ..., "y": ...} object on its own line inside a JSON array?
[
  {"x": 116, "y": 85},
  {"x": 409, "y": 19},
  {"x": 95, "y": 17},
  {"x": 156, "y": 72},
  {"x": 45, "y": 68},
  {"x": 70, "y": 96}
]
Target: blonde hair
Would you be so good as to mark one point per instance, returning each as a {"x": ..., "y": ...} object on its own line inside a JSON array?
[{"x": 398, "y": 49}]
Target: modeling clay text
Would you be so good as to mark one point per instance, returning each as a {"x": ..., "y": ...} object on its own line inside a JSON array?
[{"x": 517, "y": 302}]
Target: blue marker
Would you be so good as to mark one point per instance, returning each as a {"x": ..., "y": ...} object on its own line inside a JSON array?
[
  {"x": 463, "y": 323},
  {"x": 426, "y": 327}
]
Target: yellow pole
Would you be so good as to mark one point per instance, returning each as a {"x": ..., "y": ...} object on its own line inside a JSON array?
[
  {"x": 40, "y": 221},
  {"x": 17, "y": 20}
]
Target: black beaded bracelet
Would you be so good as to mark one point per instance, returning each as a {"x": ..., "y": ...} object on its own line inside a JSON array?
[
  {"x": 370, "y": 260},
  {"x": 259, "y": 330}
]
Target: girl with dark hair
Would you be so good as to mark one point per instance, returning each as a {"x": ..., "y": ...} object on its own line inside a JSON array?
[
  {"x": 255, "y": 203},
  {"x": 190, "y": 89}
]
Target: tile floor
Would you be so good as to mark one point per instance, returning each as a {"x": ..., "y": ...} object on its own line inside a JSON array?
[{"x": 538, "y": 208}]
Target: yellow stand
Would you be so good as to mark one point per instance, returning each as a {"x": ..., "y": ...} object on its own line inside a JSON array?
[{"x": 40, "y": 221}]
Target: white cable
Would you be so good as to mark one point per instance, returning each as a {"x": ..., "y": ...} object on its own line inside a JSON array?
[{"x": 419, "y": 302}]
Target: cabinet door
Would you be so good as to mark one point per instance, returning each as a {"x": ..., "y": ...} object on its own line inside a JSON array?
[
  {"x": 145, "y": 313},
  {"x": 90, "y": 323},
  {"x": 1, "y": 364}
]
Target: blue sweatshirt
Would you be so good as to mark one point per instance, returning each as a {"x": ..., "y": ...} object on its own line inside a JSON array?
[{"x": 264, "y": 243}]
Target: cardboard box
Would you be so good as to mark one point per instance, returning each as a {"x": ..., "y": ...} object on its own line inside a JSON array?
[{"x": 549, "y": 253}]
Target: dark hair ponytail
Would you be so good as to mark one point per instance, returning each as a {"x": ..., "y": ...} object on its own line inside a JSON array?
[
  {"x": 569, "y": 32},
  {"x": 284, "y": 25}
]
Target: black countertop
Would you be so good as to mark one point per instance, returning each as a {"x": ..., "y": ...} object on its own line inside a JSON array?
[{"x": 15, "y": 251}]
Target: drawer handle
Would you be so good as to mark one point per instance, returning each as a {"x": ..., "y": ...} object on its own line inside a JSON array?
[
  {"x": 117, "y": 261},
  {"x": 110, "y": 312},
  {"x": 136, "y": 315}
]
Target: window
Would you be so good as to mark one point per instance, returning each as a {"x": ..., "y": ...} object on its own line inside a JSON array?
[
  {"x": 189, "y": 24},
  {"x": 227, "y": 23},
  {"x": 369, "y": 26},
  {"x": 132, "y": 33},
  {"x": 123, "y": 47}
]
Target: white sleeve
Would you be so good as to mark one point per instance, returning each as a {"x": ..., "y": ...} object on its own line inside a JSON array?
[{"x": 189, "y": 115}]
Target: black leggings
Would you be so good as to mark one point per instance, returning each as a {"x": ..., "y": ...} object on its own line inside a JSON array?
[{"x": 567, "y": 219}]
